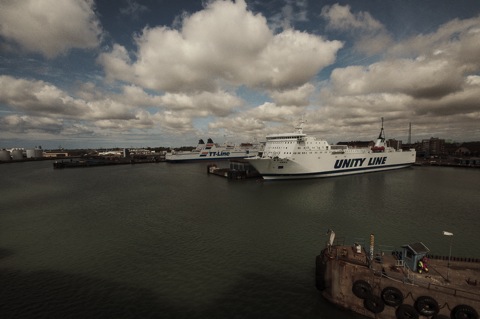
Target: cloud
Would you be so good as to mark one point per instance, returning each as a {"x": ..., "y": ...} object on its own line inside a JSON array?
[
  {"x": 50, "y": 27},
  {"x": 370, "y": 36},
  {"x": 417, "y": 78},
  {"x": 39, "y": 98},
  {"x": 293, "y": 11},
  {"x": 455, "y": 41},
  {"x": 341, "y": 18},
  {"x": 430, "y": 80},
  {"x": 133, "y": 9},
  {"x": 298, "y": 96},
  {"x": 125, "y": 110},
  {"x": 243, "y": 128},
  {"x": 22, "y": 124},
  {"x": 208, "y": 53},
  {"x": 178, "y": 123},
  {"x": 203, "y": 103}
]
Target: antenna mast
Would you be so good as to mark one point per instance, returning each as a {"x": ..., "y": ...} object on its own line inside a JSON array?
[
  {"x": 382, "y": 133},
  {"x": 410, "y": 133}
]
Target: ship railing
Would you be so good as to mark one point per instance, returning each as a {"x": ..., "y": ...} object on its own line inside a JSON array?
[
  {"x": 409, "y": 278},
  {"x": 381, "y": 250}
]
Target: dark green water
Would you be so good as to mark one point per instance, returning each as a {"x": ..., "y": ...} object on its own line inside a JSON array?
[{"x": 169, "y": 241}]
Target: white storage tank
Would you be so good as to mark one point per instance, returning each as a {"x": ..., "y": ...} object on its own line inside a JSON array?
[
  {"x": 5, "y": 156},
  {"x": 17, "y": 155},
  {"x": 34, "y": 153},
  {"x": 30, "y": 153}
]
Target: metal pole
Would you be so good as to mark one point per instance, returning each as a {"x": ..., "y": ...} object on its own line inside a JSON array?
[
  {"x": 449, "y": 256},
  {"x": 446, "y": 233}
]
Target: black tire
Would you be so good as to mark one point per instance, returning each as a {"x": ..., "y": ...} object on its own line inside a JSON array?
[
  {"x": 406, "y": 312},
  {"x": 440, "y": 317},
  {"x": 464, "y": 312},
  {"x": 426, "y": 306},
  {"x": 374, "y": 304},
  {"x": 392, "y": 296},
  {"x": 362, "y": 289}
]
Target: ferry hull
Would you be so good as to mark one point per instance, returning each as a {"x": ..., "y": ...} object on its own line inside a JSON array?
[
  {"x": 329, "y": 165},
  {"x": 213, "y": 152},
  {"x": 210, "y": 156}
]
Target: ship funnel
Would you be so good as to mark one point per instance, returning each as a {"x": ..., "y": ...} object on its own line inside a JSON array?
[{"x": 201, "y": 144}]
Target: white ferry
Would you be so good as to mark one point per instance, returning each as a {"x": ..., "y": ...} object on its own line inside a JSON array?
[
  {"x": 213, "y": 152},
  {"x": 296, "y": 155}
]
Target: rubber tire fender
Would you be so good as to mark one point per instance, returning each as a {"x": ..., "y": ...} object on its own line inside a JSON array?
[
  {"x": 426, "y": 306},
  {"x": 362, "y": 289},
  {"x": 464, "y": 311},
  {"x": 392, "y": 296},
  {"x": 406, "y": 312},
  {"x": 374, "y": 304}
]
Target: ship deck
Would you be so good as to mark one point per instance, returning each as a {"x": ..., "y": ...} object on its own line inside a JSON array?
[{"x": 460, "y": 278}]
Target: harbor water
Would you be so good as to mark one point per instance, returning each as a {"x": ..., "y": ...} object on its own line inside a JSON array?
[{"x": 169, "y": 241}]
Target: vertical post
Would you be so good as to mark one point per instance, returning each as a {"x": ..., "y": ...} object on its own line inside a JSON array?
[
  {"x": 372, "y": 244},
  {"x": 446, "y": 233}
]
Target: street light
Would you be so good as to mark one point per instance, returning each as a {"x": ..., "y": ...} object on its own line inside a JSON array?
[{"x": 446, "y": 233}]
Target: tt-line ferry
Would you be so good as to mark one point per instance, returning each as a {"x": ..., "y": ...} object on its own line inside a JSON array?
[
  {"x": 213, "y": 152},
  {"x": 296, "y": 155}
]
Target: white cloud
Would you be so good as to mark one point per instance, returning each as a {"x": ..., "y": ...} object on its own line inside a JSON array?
[
  {"x": 222, "y": 44},
  {"x": 420, "y": 79},
  {"x": 37, "y": 97},
  {"x": 50, "y": 27},
  {"x": 430, "y": 80},
  {"x": 340, "y": 17},
  {"x": 271, "y": 112},
  {"x": 43, "y": 99},
  {"x": 298, "y": 96},
  {"x": 370, "y": 36},
  {"x": 207, "y": 103},
  {"x": 19, "y": 124},
  {"x": 244, "y": 128},
  {"x": 456, "y": 41},
  {"x": 226, "y": 70},
  {"x": 293, "y": 11},
  {"x": 133, "y": 9}
]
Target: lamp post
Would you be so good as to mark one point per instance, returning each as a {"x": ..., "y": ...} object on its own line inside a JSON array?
[{"x": 446, "y": 233}]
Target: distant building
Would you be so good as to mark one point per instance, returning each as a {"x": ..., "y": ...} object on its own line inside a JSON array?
[
  {"x": 62, "y": 153},
  {"x": 468, "y": 149},
  {"x": 433, "y": 146},
  {"x": 394, "y": 143}
]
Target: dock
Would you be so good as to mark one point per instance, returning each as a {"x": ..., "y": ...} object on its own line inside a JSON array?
[
  {"x": 386, "y": 287},
  {"x": 238, "y": 169},
  {"x": 105, "y": 161}
]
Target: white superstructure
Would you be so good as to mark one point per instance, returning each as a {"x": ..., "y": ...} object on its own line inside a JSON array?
[
  {"x": 213, "y": 152},
  {"x": 296, "y": 155}
]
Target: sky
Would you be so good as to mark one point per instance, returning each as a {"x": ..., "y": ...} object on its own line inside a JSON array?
[{"x": 158, "y": 73}]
